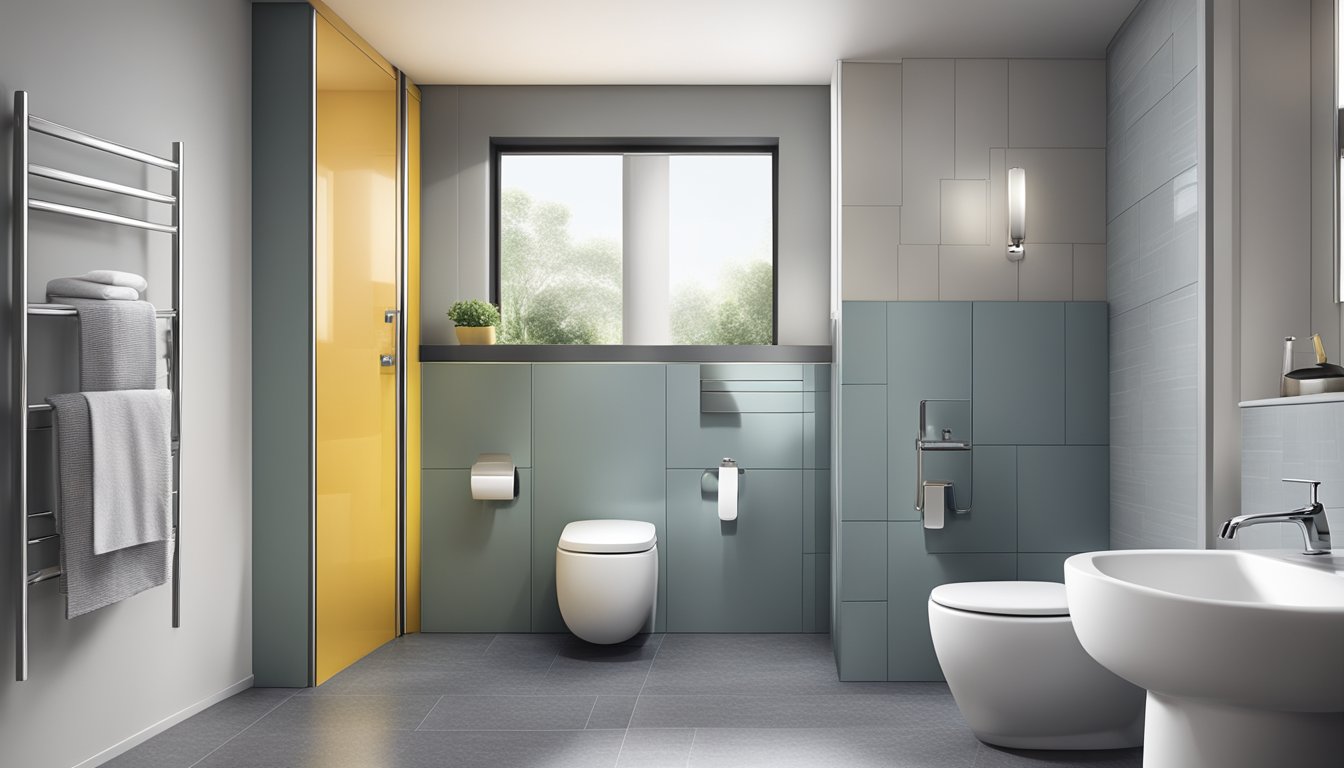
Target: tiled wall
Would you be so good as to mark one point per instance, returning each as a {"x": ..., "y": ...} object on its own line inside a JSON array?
[
  {"x": 1036, "y": 373},
  {"x": 1152, "y": 281},
  {"x": 625, "y": 441},
  {"x": 924, "y": 150},
  {"x": 1300, "y": 440}
]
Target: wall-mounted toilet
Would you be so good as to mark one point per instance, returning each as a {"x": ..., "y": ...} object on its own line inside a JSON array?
[
  {"x": 1019, "y": 674},
  {"x": 606, "y": 578}
]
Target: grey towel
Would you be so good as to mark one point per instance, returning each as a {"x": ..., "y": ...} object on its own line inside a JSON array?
[
  {"x": 133, "y": 467},
  {"x": 116, "y": 344},
  {"x": 113, "y": 277},
  {"x": 91, "y": 581},
  {"x": 73, "y": 287}
]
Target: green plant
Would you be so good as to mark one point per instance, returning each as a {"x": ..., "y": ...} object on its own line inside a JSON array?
[{"x": 473, "y": 313}]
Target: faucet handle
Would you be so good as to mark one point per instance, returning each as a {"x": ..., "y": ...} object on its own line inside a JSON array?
[{"x": 1315, "y": 488}]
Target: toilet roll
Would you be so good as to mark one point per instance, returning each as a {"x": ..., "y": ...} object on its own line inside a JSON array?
[
  {"x": 728, "y": 493},
  {"x": 935, "y": 503},
  {"x": 494, "y": 478}
]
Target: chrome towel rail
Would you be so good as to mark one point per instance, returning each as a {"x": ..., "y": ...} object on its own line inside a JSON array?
[{"x": 22, "y": 203}]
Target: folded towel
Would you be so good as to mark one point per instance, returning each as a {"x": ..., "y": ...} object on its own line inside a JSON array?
[
  {"x": 113, "y": 277},
  {"x": 132, "y": 467},
  {"x": 91, "y": 581},
  {"x": 116, "y": 344},
  {"x": 65, "y": 287}
]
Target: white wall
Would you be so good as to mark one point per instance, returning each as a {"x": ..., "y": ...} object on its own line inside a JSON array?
[
  {"x": 459, "y": 121},
  {"x": 925, "y": 148},
  {"x": 145, "y": 72}
]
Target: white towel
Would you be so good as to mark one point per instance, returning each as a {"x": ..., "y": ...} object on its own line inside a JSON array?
[
  {"x": 74, "y": 287},
  {"x": 113, "y": 277},
  {"x": 132, "y": 467}
]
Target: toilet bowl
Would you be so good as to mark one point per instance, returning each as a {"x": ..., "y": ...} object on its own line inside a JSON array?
[
  {"x": 1019, "y": 675},
  {"x": 606, "y": 578}
]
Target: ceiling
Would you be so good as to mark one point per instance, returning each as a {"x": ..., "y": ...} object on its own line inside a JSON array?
[{"x": 723, "y": 42}]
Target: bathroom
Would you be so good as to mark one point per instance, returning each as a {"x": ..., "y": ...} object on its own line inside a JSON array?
[{"x": 1025, "y": 273}]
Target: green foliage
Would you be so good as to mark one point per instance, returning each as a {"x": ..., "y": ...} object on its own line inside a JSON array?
[
  {"x": 555, "y": 291},
  {"x": 473, "y": 313},
  {"x": 740, "y": 312}
]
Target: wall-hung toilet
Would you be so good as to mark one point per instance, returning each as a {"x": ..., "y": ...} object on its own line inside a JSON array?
[
  {"x": 606, "y": 578},
  {"x": 1019, "y": 674}
]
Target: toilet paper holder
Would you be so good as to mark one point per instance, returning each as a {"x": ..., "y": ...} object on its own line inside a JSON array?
[
  {"x": 944, "y": 443},
  {"x": 494, "y": 477}
]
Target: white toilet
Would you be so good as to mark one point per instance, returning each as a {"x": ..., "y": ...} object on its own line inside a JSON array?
[
  {"x": 606, "y": 578},
  {"x": 1019, "y": 674}
]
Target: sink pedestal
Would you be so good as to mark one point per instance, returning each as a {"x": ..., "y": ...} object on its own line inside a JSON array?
[{"x": 1188, "y": 733}]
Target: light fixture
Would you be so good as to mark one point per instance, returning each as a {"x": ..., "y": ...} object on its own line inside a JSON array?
[{"x": 1017, "y": 213}]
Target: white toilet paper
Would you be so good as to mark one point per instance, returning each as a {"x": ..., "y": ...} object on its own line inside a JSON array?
[
  {"x": 727, "y": 493},
  {"x": 935, "y": 503},
  {"x": 492, "y": 477}
]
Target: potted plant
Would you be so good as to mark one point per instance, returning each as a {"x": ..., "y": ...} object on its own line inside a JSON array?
[{"x": 475, "y": 321}]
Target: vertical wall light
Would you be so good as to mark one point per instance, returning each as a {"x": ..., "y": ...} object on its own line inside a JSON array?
[{"x": 1017, "y": 213}]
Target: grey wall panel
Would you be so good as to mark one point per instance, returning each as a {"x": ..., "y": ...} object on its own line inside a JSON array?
[
  {"x": 599, "y": 452},
  {"x": 863, "y": 443},
  {"x": 282, "y": 194},
  {"x": 991, "y": 525},
  {"x": 1019, "y": 373},
  {"x": 861, "y": 649},
  {"x": 749, "y": 372},
  {"x": 1086, "y": 368},
  {"x": 817, "y": 593},
  {"x": 144, "y": 73},
  {"x": 1042, "y": 566},
  {"x": 864, "y": 345},
  {"x": 911, "y": 575},
  {"x": 469, "y": 409},
  {"x": 459, "y": 122},
  {"x": 742, "y": 576},
  {"x": 476, "y": 556},
  {"x": 863, "y": 572},
  {"x": 751, "y": 402},
  {"x": 816, "y": 510},
  {"x": 697, "y": 440},
  {"x": 928, "y": 357},
  {"x": 1063, "y": 497}
]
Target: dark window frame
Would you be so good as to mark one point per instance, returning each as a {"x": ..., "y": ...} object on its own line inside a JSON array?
[{"x": 593, "y": 146}]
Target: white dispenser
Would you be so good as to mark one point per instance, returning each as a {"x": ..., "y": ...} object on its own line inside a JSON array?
[
  {"x": 494, "y": 478},
  {"x": 728, "y": 490},
  {"x": 935, "y": 503}
]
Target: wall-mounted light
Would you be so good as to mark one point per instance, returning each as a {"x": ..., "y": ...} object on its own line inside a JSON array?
[{"x": 1017, "y": 213}]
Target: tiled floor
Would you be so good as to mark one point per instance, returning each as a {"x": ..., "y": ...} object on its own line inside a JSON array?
[{"x": 538, "y": 701}]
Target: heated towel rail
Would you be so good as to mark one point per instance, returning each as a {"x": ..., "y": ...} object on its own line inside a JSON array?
[{"x": 26, "y": 124}]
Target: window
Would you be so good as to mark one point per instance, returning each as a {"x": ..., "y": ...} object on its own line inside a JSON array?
[{"x": 634, "y": 244}]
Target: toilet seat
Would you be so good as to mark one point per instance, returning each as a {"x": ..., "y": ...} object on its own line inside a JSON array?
[
  {"x": 608, "y": 537},
  {"x": 1004, "y": 598}
]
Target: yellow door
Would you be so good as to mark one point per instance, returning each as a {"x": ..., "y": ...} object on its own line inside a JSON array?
[{"x": 354, "y": 285}]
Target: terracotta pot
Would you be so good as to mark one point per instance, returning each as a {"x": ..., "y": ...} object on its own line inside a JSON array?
[{"x": 484, "y": 335}]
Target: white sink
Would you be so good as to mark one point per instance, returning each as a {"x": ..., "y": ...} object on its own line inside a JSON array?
[{"x": 1242, "y": 653}]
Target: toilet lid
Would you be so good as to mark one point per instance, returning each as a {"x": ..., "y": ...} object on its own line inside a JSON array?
[
  {"x": 608, "y": 536},
  {"x": 1004, "y": 598}
]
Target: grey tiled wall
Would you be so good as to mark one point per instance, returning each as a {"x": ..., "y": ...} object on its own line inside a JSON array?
[
  {"x": 1292, "y": 440},
  {"x": 1036, "y": 373},
  {"x": 624, "y": 441},
  {"x": 1152, "y": 266}
]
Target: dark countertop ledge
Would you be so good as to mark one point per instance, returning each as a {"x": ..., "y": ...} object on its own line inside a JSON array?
[{"x": 618, "y": 353}]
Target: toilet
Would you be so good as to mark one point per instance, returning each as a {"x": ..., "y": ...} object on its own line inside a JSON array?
[
  {"x": 606, "y": 578},
  {"x": 1019, "y": 674}
]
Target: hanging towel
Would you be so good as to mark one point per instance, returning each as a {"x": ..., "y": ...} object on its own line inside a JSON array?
[
  {"x": 91, "y": 581},
  {"x": 116, "y": 344},
  {"x": 133, "y": 467},
  {"x": 113, "y": 277},
  {"x": 73, "y": 287}
]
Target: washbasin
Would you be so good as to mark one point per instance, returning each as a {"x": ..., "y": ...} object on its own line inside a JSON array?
[{"x": 1242, "y": 653}]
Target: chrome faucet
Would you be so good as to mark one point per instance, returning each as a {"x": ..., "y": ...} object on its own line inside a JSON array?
[{"x": 1309, "y": 519}]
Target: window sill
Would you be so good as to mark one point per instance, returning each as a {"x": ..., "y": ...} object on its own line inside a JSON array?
[{"x": 618, "y": 353}]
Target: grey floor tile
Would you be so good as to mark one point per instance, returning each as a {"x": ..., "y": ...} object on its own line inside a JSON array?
[
  {"x": 198, "y": 736},
  {"x": 896, "y": 711},
  {"x": 371, "y": 713},
  {"x": 656, "y": 748},
  {"x": 510, "y": 713},
  {"x": 832, "y": 747},
  {"x": 996, "y": 757},
  {"x": 520, "y": 749},
  {"x": 600, "y": 669},
  {"x": 255, "y": 748},
  {"x": 748, "y": 664},
  {"x": 507, "y": 664},
  {"x": 431, "y": 648},
  {"x": 612, "y": 712}
]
